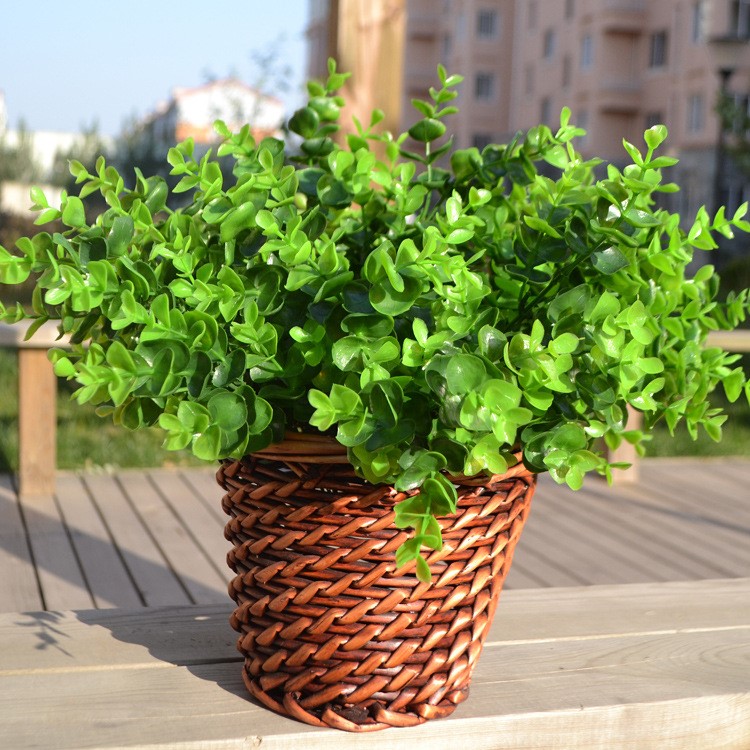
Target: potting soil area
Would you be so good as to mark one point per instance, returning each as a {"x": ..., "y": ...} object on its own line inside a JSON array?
[{"x": 134, "y": 539}]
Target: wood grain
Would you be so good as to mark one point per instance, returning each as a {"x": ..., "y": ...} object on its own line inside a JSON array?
[
  {"x": 648, "y": 666},
  {"x": 37, "y": 423}
]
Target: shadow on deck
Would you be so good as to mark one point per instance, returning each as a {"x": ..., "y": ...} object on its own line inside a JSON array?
[{"x": 155, "y": 537}]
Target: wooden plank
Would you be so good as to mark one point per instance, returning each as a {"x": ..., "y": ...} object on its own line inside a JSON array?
[
  {"x": 724, "y": 549},
  {"x": 56, "y": 641},
  {"x": 156, "y": 581},
  {"x": 540, "y": 561},
  {"x": 201, "y": 634},
  {"x": 199, "y": 575},
  {"x": 717, "y": 487},
  {"x": 46, "y": 336},
  {"x": 655, "y": 666},
  {"x": 731, "y": 341},
  {"x": 60, "y": 575},
  {"x": 610, "y": 522},
  {"x": 106, "y": 575},
  {"x": 570, "y": 541},
  {"x": 203, "y": 483},
  {"x": 37, "y": 423},
  {"x": 19, "y": 588},
  {"x": 626, "y": 453},
  {"x": 201, "y": 521}
]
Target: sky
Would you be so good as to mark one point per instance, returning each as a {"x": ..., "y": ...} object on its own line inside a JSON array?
[{"x": 73, "y": 64}]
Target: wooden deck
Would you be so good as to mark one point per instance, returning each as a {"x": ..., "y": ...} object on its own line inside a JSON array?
[
  {"x": 652, "y": 666},
  {"x": 152, "y": 538}
]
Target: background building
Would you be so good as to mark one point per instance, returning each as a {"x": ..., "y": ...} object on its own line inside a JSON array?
[
  {"x": 620, "y": 65},
  {"x": 191, "y": 112}
]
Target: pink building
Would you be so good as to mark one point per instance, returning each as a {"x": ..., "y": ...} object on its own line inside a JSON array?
[{"x": 620, "y": 65}]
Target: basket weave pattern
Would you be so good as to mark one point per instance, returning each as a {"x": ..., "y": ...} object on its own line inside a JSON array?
[{"x": 333, "y": 634}]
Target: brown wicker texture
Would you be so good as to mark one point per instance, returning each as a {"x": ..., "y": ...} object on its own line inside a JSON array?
[{"x": 332, "y": 632}]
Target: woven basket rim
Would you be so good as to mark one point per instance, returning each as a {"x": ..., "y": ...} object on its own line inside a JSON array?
[{"x": 303, "y": 447}]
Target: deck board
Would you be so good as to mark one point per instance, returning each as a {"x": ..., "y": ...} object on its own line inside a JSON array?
[
  {"x": 654, "y": 666},
  {"x": 108, "y": 579},
  {"x": 199, "y": 576},
  {"x": 61, "y": 579},
  {"x": 19, "y": 588},
  {"x": 157, "y": 583},
  {"x": 155, "y": 537}
]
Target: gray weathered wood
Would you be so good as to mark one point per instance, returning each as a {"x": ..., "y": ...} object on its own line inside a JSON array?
[
  {"x": 666, "y": 529},
  {"x": 652, "y": 666},
  {"x": 201, "y": 577},
  {"x": 19, "y": 589},
  {"x": 108, "y": 579},
  {"x": 60, "y": 576},
  {"x": 156, "y": 581},
  {"x": 203, "y": 521}
]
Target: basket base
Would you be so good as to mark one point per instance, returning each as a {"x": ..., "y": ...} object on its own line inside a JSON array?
[{"x": 351, "y": 718}]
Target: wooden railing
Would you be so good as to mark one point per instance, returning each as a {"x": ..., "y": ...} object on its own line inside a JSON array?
[
  {"x": 37, "y": 409},
  {"x": 37, "y": 406}
]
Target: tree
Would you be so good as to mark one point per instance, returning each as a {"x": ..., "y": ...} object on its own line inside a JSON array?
[
  {"x": 17, "y": 162},
  {"x": 86, "y": 149}
]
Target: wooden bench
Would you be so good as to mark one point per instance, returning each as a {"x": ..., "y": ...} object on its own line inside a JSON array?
[
  {"x": 38, "y": 411},
  {"x": 661, "y": 666}
]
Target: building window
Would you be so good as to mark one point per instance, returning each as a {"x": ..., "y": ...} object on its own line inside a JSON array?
[
  {"x": 480, "y": 140},
  {"x": 484, "y": 86},
  {"x": 570, "y": 9},
  {"x": 528, "y": 77},
  {"x": 447, "y": 46},
  {"x": 549, "y": 43},
  {"x": 566, "y": 71},
  {"x": 545, "y": 111},
  {"x": 658, "y": 50},
  {"x": 696, "y": 113},
  {"x": 587, "y": 52},
  {"x": 739, "y": 18},
  {"x": 698, "y": 22},
  {"x": 487, "y": 24},
  {"x": 531, "y": 17},
  {"x": 582, "y": 121}
]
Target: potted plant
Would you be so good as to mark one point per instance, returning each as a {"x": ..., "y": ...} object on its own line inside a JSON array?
[{"x": 383, "y": 351}]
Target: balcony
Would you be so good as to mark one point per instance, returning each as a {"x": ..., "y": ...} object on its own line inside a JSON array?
[
  {"x": 619, "y": 96},
  {"x": 623, "y": 16},
  {"x": 423, "y": 26}
]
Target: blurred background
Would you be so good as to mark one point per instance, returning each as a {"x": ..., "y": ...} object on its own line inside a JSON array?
[{"x": 82, "y": 79}]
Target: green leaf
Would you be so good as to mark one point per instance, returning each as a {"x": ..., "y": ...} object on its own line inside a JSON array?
[
  {"x": 465, "y": 373},
  {"x": 655, "y": 136},
  {"x": 459, "y": 236},
  {"x": 73, "y": 214},
  {"x": 610, "y": 261},
  {"x": 227, "y": 410},
  {"x": 565, "y": 343},
  {"x": 427, "y": 130}
]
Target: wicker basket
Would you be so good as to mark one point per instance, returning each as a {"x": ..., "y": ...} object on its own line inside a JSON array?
[{"x": 333, "y": 634}]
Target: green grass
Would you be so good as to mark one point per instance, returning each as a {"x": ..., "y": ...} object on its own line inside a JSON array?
[
  {"x": 735, "y": 436},
  {"x": 84, "y": 440}
]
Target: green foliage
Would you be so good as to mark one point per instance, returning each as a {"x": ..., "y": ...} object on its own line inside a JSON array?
[{"x": 434, "y": 320}]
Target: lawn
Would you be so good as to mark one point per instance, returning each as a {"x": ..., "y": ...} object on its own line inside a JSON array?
[
  {"x": 88, "y": 441},
  {"x": 84, "y": 440}
]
